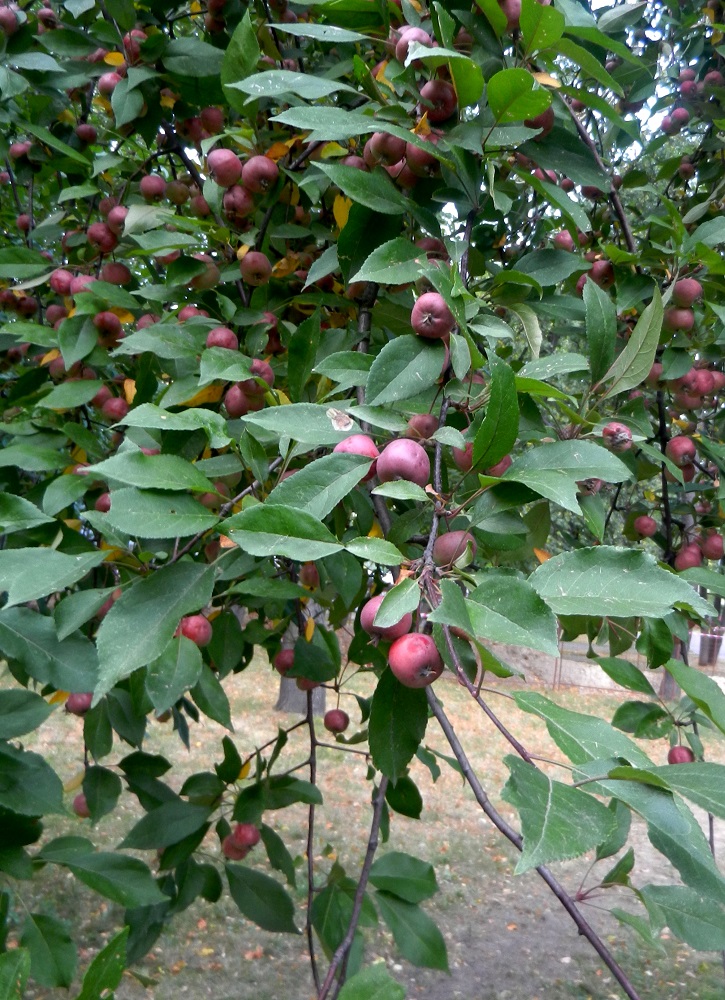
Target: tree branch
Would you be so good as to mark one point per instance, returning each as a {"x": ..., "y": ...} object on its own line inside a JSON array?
[
  {"x": 508, "y": 831},
  {"x": 339, "y": 959}
]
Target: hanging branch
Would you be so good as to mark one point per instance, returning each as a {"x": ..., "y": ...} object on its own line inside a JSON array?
[
  {"x": 310, "y": 720},
  {"x": 339, "y": 959},
  {"x": 511, "y": 835}
]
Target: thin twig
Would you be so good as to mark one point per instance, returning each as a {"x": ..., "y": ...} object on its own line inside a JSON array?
[
  {"x": 666, "y": 511},
  {"x": 508, "y": 831},
  {"x": 310, "y": 844},
  {"x": 339, "y": 959}
]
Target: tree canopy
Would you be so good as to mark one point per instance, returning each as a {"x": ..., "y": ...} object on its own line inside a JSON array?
[{"x": 339, "y": 302}]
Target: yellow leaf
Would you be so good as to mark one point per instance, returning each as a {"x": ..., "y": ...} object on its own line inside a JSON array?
[
  {"x": 422, "y": 128},
  {"x": 114, "y": 553},
  {"x": 129, "y": 389},
  {"x": 114, "y": 59},
  {"x": 279, "y": 149},
  {"x": 246, "y": 768},
  {"x": 309, "y": 628},
  {"x": 50, "y": 356},
  {"x": 209, "y": 394},
  {"x": 226, "y": 543},
  {"x": 376, "y": 531},
  {"x": 542, "y": 555},
  {"x": 78, "y": 455},
  {"x": 332, "y": 149},
  {"x": 123, "y": 314},
  {"x": 649, "y": 496},
  {"x": 72, "y": 522},
  {"x": 167, "y": 101},
  {"x": 57, "y": 698},
  {"x": 281, "y": 398},
  {"x": 286, "y": 266},
  {"x": 341, "y": 210},
  {"x": 102, "y": 104},
  {"x": 547, "y": 81},
  {"x": 66, "y": 116},
  {"x": 75, "y": 782}
]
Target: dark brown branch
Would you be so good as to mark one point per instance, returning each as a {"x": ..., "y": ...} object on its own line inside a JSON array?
[
  {"x": 310, "y": 845},
  {"x": 666, "y": 510},
  {"x": 339, "y": 959},
  {"x": 508, "y": 831}
]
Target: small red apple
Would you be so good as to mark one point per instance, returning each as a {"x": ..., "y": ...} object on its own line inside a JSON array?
[
  {"x": 645, "y": 526},
  {"x": 336, "y": 721},
  {"x": 197, "y": 628},
  {"x": 284, "y": 661},
  {"x": 404, "y": 459},
  {"x": 78, "y": 703},
  {"x": 222, "y": 336},
  {"x": 224, "y": 166},
  {"x": 617, "y": 437},
  {"x": 680, "y": 755},
  {"x": 255, "y": 268},
  {"x": 367, "y": 618},
  {"x": 415, "y": 661},
  {"x": 80, "y": 806},
  {"x": 681, "y": 450},
  {"x": 360, "y": 444},
  {"x": 450, "y": 547},
  {"x": 431, "y": 317}
]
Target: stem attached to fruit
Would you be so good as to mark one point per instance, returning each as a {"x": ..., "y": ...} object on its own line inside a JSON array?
[
  {"x": 339, "y": 959},
  {"x": 508, "y": 831}
]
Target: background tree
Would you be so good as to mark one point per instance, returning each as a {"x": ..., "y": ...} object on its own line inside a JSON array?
[{"x": 422, "y": 301}]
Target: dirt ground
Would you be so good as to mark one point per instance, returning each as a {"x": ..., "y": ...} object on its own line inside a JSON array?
[{"x": 507, "y": 936}]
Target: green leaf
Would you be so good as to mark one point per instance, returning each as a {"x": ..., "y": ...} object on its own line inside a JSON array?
[
  {"x": 558, "y": 822},
  {"x": 167, "y": 824},
  {"x": 394, "y": 263},
  {"x": 612, "y": 581},
  {"x": 601, "y": 327},
  {"x": 532, "y": 328},
  {"x": 700, "y": 782},
  {"x": 106, "y": 970},
  {"x": 497, "y": 434},
  {"x": 405, "y": 367},
  {"x": 153, "y": 472},
  {"x": 553, "y": 470},
  {"x": 28, "y": 785},
  {"x": 377, "y": 550},
  {"x": 141, "y": 623},
  {"x": 53, "y": 955},
  {"x": 279, "y": 857},
  {"x": 416, "y": 935},
  {"x": 540, "y": 26},
  {"x": 302, "y": 351},
  {"x": 102, "y": 789},
  {"x": 452, "y": 609},
  {"x": 581, "y": 737},
  {"x": 403, "y": 490},
  {"x": 589, "y": 63},
  {"x": 173, "y": 673},
  {"x": 127, "y": 103},
  {"x": 321, "y": 485},
  {"x": 398, "y": 719},
  {"x": 554, "y": 364},
  {"x": 123, "y": 880},
  {"x": 709, "y": 234},
  {"x": 690, "y": 916},
  {"x": 703, "y": 690},
  {"x": 320, "y": 32},
  {"x": 261, "y": 899},
  {"x": 274, "y": 83},
  {"x": 279, "y": 530},
  {"x": 404, "y": 876},
  {"x": 625, "y": 674},
  {"x": 347, "y": 368},
  {"x": 308, "y": 423},
  {"x": 549, "y": 267},
  {"x": 190, "y": 57},
  {"x": 14, "y": 972},
  {"x": 404, "y": 797},
  {"x": 31, "y": 458},
  {"x": 69, "y": 395},
  {"x": 635, "y": 362},
  {"x": 239, "y": 61},
  {"x": 157, "y": 515},
  {"x": 47, "y": 137},
  {"x": 21, "y": 712},
  {"x": 31, "y": 639},
  {"x": 147, "y": 415},
  {"x": 512, "y": 97},
  {"x": 26, "y": 574},
  {"x": 211, "y": 698},
  {"x": 17, "y": 514},
  {"x": 506, "y": 609},
  {"x": 401, "y": 599},
  {"x": 372, "y": 983},
  {"x": 373, "y": 190}
]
